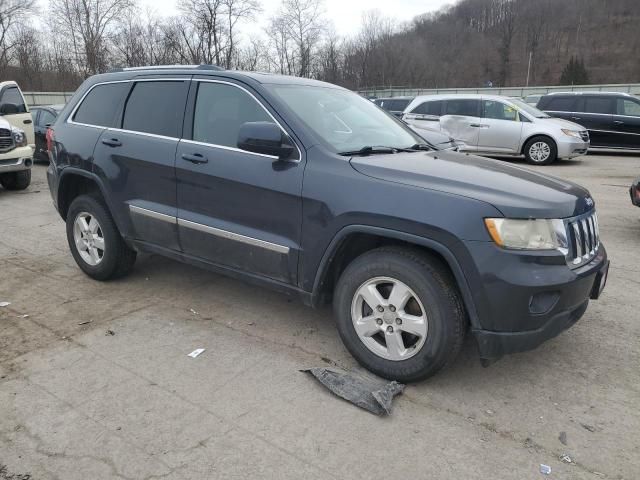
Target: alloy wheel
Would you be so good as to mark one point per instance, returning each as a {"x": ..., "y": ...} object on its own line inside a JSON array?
[
  {"x": 539, "y": 152},
  {"x": 88, "y": 238}
]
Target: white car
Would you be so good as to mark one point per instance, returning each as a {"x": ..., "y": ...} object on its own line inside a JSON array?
[{"x": 499, "y": 126}]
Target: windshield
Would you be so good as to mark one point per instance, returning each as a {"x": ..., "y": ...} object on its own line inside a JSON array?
[
  {"x": 345, "y": 121},
  {"x": 525, "y": 107}
]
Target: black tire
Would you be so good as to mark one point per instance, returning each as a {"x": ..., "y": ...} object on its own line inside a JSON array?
[
  {"x": 434, "y": 286},
  {"x": 16, "y": 180},
  {"x": 118, "y": 259},
  {"x": 541, "y": 139}
]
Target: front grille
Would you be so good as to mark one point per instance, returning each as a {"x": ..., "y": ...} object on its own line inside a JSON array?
[
  {"x": 6, "y": 140},
  {"x": 583, "y": 236},
  {"x": 584, "y": 135}
]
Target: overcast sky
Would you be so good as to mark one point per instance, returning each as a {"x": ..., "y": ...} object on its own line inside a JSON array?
[{"x": 345, "y": 14}]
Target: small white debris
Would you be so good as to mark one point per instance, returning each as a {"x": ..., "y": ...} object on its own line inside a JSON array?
[
  {"x": 5, "y": 304},
  {"x": 566, "y": 458},
  {"x": 23, "y": 316},
  {"x": 489, "y": 412},
  {"x": 196, "y": 352},
  {"x": 193, "y": 311},
  {"x": 545, "y": 469}
]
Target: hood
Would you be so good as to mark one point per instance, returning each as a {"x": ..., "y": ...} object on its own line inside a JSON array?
[
  {"x": 4, "y": 124},
  {"x": 517, "y": 192},
  {"x": 562, "y": 123}
]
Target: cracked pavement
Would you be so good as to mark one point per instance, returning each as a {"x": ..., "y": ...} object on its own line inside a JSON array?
[{"x": 77, "y": 403}]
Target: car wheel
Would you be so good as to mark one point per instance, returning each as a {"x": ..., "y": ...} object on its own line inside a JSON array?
[
  {"x": 399, "y": 313},
  {"x": 16, "y": 180},
  {"x": 540, "y": 151},
  {"x": 95, "y": 242}
]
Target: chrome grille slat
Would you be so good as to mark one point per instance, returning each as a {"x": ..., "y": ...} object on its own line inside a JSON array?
[
  {"x": 583, "y": 238},
  {"x": 6, "y": 140}
]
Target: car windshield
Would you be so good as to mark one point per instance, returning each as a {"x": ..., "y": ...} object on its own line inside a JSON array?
[
  {"x": 525, "y": 107},
  {"x": 345, "y": 121}
]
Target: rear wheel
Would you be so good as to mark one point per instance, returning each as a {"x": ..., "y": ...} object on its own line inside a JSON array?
[
  {"x": 540, "y": 151},
  {"x": 95, "y": 242},
  {"x": 399, "y": 313},
  {"x": 16, "y": 180}
]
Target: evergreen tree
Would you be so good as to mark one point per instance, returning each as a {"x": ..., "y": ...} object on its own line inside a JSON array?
[{"x": 574, "y": 73}]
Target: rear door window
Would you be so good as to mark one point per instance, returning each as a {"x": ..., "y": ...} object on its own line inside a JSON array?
[
  {"x": 12, "y": 101},
  {"x": 429, "y": 108},
  {"x": 46, "y": 118},
  {"x": 465, "y": 107},
  {"x": 499, "y": 111},
  {"x": 599, "y": 105},
  {"x": 100, "y": 105},
  {"x": 156, "y": 107}
]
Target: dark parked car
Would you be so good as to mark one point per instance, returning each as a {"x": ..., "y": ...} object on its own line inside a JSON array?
[
  {"x": 634, "y": 191},
  {"x": 612, "y": 119},
  {"x": 311, "y": 189},
  {"x": 394, "y": 105},
  {"x": 43, "y": 117}
]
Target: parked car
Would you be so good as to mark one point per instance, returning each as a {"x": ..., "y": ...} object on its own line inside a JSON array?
[
  {"x": 613, "y": 119},
  {"x": 438, "y": 139},
  {"x": 393, "y": 105},
  {"x": 311, "y": 189},
  {"x": 532, "y": 99},
  {"x": 499, "y": 126},
  {"x": 634, "y": 191},
  {"x": 43, "y": 117},
  {"x": 16, "y": 138}
]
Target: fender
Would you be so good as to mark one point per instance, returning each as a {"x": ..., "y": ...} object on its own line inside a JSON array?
[
  {"x": 438, "y": 247},
  {"x": 66, "y": 171}
]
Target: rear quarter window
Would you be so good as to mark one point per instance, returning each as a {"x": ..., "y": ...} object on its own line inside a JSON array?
[
  {"x": 560, "y": 104},
  {"x": 100, "y": 105},
  {"x": 429, "y": 108}
]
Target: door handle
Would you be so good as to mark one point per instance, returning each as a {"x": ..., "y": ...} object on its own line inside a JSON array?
[
  {"x": 27, "y": 121},
  {"x": 112, "y": 142},
  {"x": 618, "y": 122},
  {"x": 196, "y": 158},
  {"x": 478, "y": 125},
  {"x": 576, "y": 118}
]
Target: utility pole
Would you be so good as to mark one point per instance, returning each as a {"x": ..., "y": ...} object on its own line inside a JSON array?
[{"x": 529, "y": 67}]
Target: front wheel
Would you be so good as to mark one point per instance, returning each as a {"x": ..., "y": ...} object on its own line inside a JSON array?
[
  {"x": 95, "y": 242},
  {"x": 399, "y": 313},
  {"x": 16, "y": 180},
  {"x": 540, "y": 151}
]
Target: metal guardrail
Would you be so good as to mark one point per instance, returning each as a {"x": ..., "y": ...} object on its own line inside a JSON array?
[
  {"x": 35, "y": 99},
  {"x": 381, "y": 92}
]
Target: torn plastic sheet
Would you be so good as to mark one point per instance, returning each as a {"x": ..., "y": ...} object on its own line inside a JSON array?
[{"x": 372, "y": 394}]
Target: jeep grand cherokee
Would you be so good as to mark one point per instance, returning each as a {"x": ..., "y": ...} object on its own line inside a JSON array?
[{"x": 309, "y": 188}]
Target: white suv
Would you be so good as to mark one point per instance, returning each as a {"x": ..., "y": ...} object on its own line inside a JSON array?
[
  {"x": 499, "y": 126},
  {"x": 17, "y": 142}
]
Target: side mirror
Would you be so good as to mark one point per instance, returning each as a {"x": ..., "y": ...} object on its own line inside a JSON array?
[
  {"x": 266, "y": 138},
  {"x": 9, "y": 109}
]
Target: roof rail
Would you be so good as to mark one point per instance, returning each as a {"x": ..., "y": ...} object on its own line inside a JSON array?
[
  {"x": 165, "y": 67},
  {"x": 590, "y": 92}
]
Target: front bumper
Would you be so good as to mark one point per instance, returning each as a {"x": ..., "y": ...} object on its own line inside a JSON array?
[
  {"x": 18, "y": 159},
  {"x": 530, "y": 298},
  {"x": 572, "y": 147}
]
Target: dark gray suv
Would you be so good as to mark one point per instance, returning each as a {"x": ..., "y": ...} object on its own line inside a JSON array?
[{"x": 309, "y": 188}]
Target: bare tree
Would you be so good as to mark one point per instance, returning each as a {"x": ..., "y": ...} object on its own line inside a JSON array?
[
  {"x": 11, "y": 13},
  {"x": 87, "y": 25},
  {"x": 507, "y": 14}
]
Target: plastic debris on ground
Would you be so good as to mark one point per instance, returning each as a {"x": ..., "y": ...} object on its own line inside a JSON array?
[
  {"x": 545, "y": 469},
  {"x": 5, "y": 304},
  {"x": 196, "y": 352},
  {"x": 566, "y": 458},
  {"x": 110, "y": 333},
  {"x": 372, "y": 394}
]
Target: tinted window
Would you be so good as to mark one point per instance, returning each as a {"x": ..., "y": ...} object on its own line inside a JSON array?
[
  {"x": 560, "y": 104},
  {"x": 598, "y": 105},
  {"x": 11, "y": 95},
  {"x": 429, "y": 108},
  {"x": 46, "y": 118},
  {"x": 155, "y": 107},
  {"x": 399, "y": 105},
  {"x": 220, "y": 111},
  {"x": 100, "y": 105},
  {"x": 499, "y": 111},
  {"x": 628, "y": 107},
  {"x": 467, "y": 108}
]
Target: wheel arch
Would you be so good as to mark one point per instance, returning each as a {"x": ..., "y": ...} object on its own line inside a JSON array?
[
  {"x": 354, "y": 240},
  {"x": 534, "y": 135},
  {"x": 74, "y": 182}
]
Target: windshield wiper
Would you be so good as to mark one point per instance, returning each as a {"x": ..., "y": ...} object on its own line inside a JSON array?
[
  {"x": 369, "y": 150},
  {"x": 422, "y": 146}
]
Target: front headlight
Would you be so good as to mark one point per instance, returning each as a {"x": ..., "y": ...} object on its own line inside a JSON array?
[
  {"x": 572, "y": 133},
  {"x": 19, "y": 137},
  {"x": 535, "y": 234}
]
